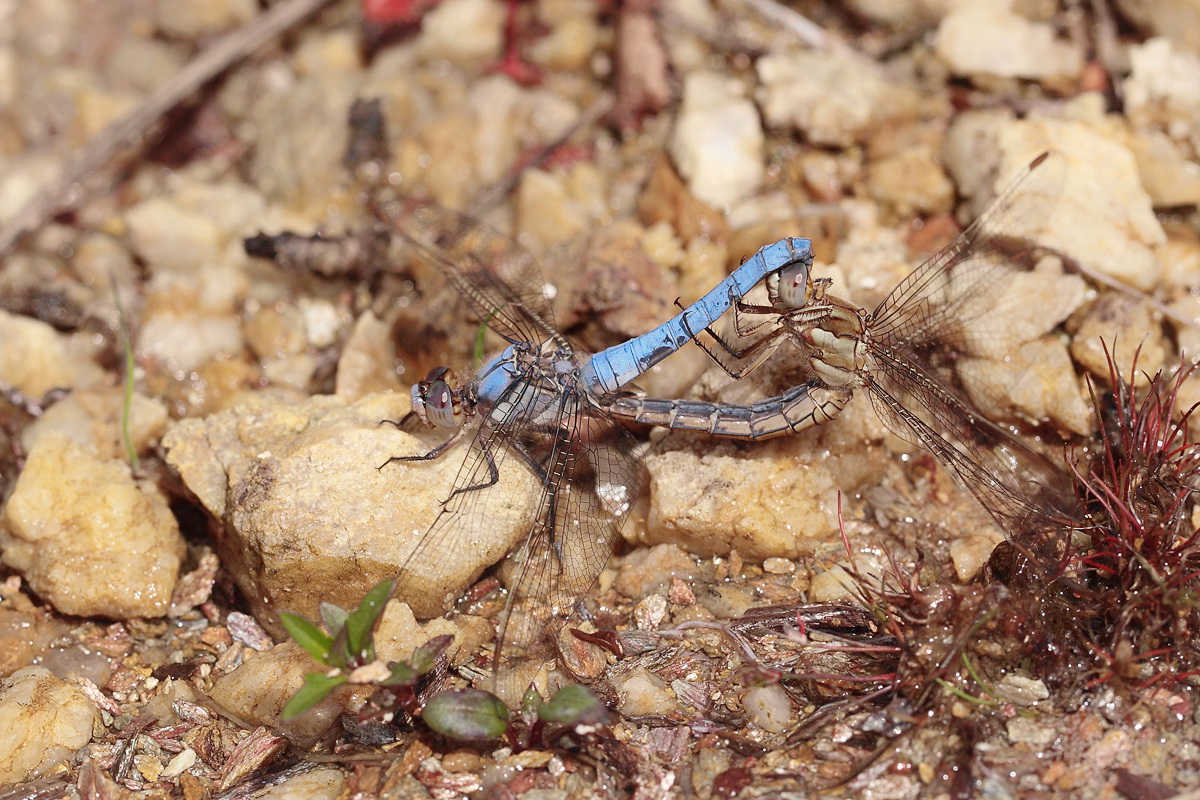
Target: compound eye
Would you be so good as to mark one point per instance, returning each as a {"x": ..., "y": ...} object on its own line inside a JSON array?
[
  {"x": 441, "y": 408},
  {"x": 791, "y": 287}
]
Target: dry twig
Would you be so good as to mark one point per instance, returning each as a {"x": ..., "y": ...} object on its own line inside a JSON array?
[{"x": 130, "y": 130}]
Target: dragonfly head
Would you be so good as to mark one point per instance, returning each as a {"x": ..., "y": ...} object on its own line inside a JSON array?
[
  {"x": 790, "y": 288},
  {"x": 437, "y": 400}
]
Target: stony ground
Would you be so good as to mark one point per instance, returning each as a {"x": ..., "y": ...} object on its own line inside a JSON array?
[{"x": 190, "y": 422}]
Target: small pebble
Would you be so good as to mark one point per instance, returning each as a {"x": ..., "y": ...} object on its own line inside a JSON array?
[
  {"x": 779, "y": 566},
  {"x": 768, "y": 707},
  {"x": 717, "y": 144},
  {"x": 45, "y": 722}
]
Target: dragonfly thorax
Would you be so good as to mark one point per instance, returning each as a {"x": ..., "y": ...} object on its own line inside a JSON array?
[
  {"x": 839, "y": 347},
  {"x": 440, "y": 400}
]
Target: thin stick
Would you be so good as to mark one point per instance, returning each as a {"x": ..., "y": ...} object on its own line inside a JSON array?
[{"x": 68, "y": 189}]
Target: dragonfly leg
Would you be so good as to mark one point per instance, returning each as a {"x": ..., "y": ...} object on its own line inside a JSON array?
[
  {"x": 731, "y": 361},
  {"x": 430, "y": 456},
  {"x": 402, "y": 422}
]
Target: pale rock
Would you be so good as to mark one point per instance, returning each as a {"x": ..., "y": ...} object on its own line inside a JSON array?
[
  {"x": 144, "y": 63},
  {"x": 971, "y": 552},
  {"x": 92, "y": 417},
  {"x": 1087, "y": 202},
  {"x": 712, "y": 503},
  {"x": 649, "y": 613},
  {"x": 261, "y": 686},
  {"x": 290, "y": 372},
  {"x": 462, "y": 31},
  {"x": 1188, "y": 336},
  {"x": 1120, "y": 326},
  {"x": 988, "y": 38},
  {"x": 276, "y": 331},
  {"x": 183, "y": 341},
  {"x": 768, "y": 707},
  {"x": 336, "y": 51},
  {"x": 501, "y": 113},
  {"x": 319, "y": 784},
  {"x": 779, "y": 566},
  {"x": 398, "y": 634},
  {"x": 34, "y": 358},
  {"x": 190, "y": 19},
  {"x": 900, "y": 13},
  {"x": 662, "y": 245},
  {"x": 570, "y": 44},
  {"x": 367, "y": 363},
  {"x": 1176, "y": 20},
  {"x": 1163, "y": 92},
  {"x": 911, "y": 181},
  {"x": 169, "y": 237},
  {"x": 1022, "y": 730},
  {"x": 717, "y": 144},
  {"x": 311, "y": 516},
  {"x": 87, "y": 537},
  {"x": 834, "y": 585},
  {"x": 727, "y": 600},
  {"x": 96, "y": 107},
  {"x": 834, "y": 100},
  {"x": 545, "y": 212},
  {"x": 776, "y": 500},
  {"x": 1169, "y": 176},
  {"x": 105, "y": 264},
  {"x": 234, "y": 209},
  {"x": 1019, "y": 690},
  {"x": 647, "y": 570},
  {"x": 295, "y": 163},
  {"x": 8, "y": 77},
  {"x": 45, "y": 721},
  {"x": 22, "y": 177},
  {"x": 322, "y": 321},
  {"x": 1035, "y": 382},
  {"x": 642, "y": 693}
]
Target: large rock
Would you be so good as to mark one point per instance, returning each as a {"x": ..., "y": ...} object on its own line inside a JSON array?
[
  {"x": 89, "y": 538},
  {"x": 309, "y": 514}
]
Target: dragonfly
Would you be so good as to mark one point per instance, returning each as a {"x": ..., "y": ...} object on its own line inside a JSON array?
[
  {"x": 539, "y": 402},
  {"x": 902, "y": 354}
]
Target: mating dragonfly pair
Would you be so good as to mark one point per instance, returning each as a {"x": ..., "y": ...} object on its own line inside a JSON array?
[{"x": 558, "y": 410}]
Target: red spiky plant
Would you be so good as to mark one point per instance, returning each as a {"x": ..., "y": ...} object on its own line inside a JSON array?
[{"x": 1139, "y": 566}]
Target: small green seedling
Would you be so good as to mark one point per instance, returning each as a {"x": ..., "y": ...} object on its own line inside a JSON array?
[{"x": 347, "y": 645}]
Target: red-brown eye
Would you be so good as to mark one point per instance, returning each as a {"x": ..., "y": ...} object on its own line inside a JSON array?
[
  {"x": 440, "y": 406},
  {"x": 791, "y": 289}
]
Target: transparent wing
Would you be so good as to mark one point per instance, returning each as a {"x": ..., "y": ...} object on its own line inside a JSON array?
[
  {"x": 488, "y": 493},
  {"x": 938, "y": 303},
  {"x": 583, "y": 474},
  {"x": 925, "y": 324},
  {"x": 592, "y": 479},
  {"x": 497, "y": 277},
  {"x": 1012, "y": 482}
]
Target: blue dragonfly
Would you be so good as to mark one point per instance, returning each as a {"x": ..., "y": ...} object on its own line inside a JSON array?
[
  {"x": 902, "y": 355},
  {"x": 539, "y": 401}
]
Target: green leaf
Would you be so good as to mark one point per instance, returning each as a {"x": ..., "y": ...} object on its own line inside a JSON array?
[
  {"x": 314, "y": 641},
  {"x": 425, "y": 656},
  {"x": 574, "y": 705},
  {"x": 316, "y": 688},
  {"x": 359, "y": 623},
  {"x": 402, "y": 675},
  {"x": 466, "y": 714},
  {"x": 333, "y": 617},
  {"x": 531, "y": 704}
]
